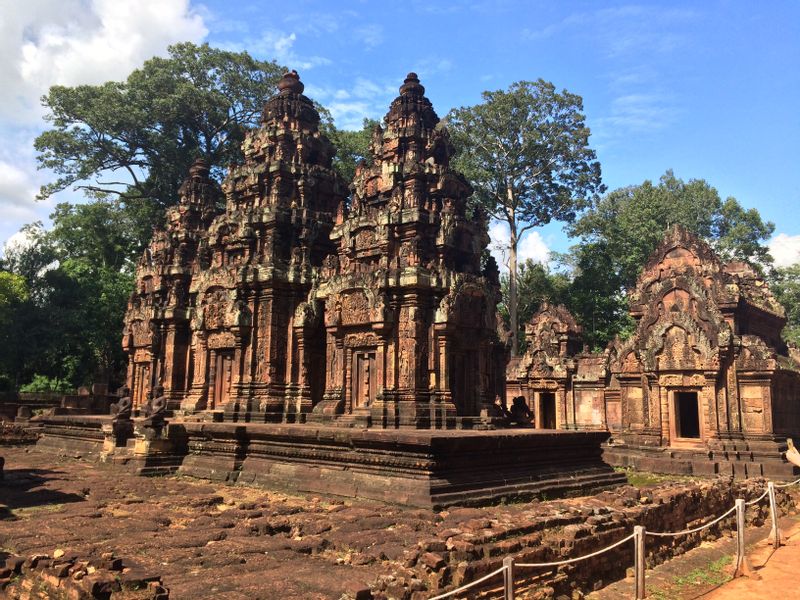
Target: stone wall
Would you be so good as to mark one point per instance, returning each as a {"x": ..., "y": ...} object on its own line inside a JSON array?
[{"x": 465, "y": 550}]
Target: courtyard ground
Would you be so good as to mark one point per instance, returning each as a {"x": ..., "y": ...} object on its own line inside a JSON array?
[{"x": 211, "y": 540}]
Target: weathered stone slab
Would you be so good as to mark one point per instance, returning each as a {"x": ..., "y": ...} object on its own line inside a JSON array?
[{"x": 417, "y": 467}]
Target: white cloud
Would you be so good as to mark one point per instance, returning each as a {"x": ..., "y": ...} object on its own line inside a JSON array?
[
  {"x": 69, "y": 42},
  {"x": 785, "y": 249},
  {"x": 431, "y": 66},
  {"x": 19, "y": 241},
  {"x": 349, "y": 107},
  {"x": 14, "y": 183},
  {"x": 370, "y": 35},
  {"x": 634, "y": 113},
  {"x": 278, "y": 46},
  {"x": 621, "y": 30},
  {"x": 77, "y": 42},
  {"x": 532, "y": 246}
]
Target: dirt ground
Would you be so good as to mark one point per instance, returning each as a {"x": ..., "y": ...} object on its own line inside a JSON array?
[
  {"x": 204, "y": 540},
  {"x": 211, "y": 540}
]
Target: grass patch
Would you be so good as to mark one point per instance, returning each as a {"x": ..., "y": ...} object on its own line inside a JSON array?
[
  {"x": 644, "y": 479},
  {"x": 713, "y": 574}
]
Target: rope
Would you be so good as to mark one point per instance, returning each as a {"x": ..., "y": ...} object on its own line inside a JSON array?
[
  {"x": 469, "y": 585},
  {"x": 785, "y": 485},
  {"x": 695, "y": 530},
  {"x": 759, "y": 499},
  {"x": 572, "y": 560},
  {"x": 612, "y": 546}
]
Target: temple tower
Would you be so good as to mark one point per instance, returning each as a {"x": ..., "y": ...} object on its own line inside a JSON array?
[
  {"x": 156, "y": 334},
  {"x": 409, "y": 313},
  {"x": 258, "y": 264}
]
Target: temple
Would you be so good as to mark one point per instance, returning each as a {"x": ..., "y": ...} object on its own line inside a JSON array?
[
  {"x": 156, "y": 334},
  {"x": 410, "y": 313},
  {"x": 564, "y": 384},
  {"x": 288, "y": 331},
  {"x": 300, "y": 302},
  {"x": 705, "y": 384},
  {"x": 705, "y": 375}
]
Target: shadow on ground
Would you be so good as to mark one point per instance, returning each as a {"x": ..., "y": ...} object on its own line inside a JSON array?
[{"x": 27, "y": 489}]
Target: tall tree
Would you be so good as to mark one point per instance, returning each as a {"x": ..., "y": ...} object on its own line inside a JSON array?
[
  {"x": 136, "y": 139},
  {"x": 526, "y": 152},
  {"x": 618, "y": 235}
]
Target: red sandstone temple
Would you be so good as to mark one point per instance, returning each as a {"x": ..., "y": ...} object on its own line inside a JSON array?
[
  {"x": 300, "y": 308},
  {"x": 705, "y": 384},
  {"x": 297, "y": 303}
]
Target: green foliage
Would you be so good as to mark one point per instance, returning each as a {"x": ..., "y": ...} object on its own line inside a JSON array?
[
  {"x": 101, "y": 233},
  {"x": 13, "y": 291},
  {"x": 42, "y": 383},
  {"x": 618, "y": 235},
  {"x": 78, "y": 277},
  {"x": 136, "y": 139},
  {"x": 351, "y": 147},
  {"x": 526, "y": 152},
  {"x": 596, "y": 296},
  {"x": 785, "y": 284}
]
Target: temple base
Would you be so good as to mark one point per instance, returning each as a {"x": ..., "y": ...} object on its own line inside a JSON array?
[
  {"x": 427, "y": 468},
  {"x": 739, "y": 458},
  {"x": 418, "y": 468}
]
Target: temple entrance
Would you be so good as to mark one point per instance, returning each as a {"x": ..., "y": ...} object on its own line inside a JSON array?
[
  {"x": 365, "y": 380},
  {"x": 547, "y": 410},
  {"x": 223, "y": 367},
  {"x": 687, "y": 415}
]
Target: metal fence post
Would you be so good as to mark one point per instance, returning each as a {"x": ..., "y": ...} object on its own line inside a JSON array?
[
  {"x": 508, "y": 578},
  {"x": 775, "y": 534},
  {"x": 638, "y": 557}
]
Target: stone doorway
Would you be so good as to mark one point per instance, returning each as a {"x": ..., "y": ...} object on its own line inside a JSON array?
[
  {"x": 365, "y": 380},
  {"x": 547, "y": 410},
  {"x": 687, "y": 415},
  {"x": 223, "y": 367}
]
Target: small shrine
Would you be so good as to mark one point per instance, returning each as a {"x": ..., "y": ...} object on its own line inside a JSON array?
[{"x": 706, "y": 369}]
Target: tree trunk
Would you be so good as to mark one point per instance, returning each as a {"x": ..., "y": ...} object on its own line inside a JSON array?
[
  {"x": 512, "y": 273},
  {"x": 512, "y": 292}
]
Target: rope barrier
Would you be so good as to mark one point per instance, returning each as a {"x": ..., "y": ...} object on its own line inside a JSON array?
[
  {"x": 469, "y": 585},
  {"x": 695, "y": 530},
  {"x": 509, "y": 563},
  {"x": 785, "y": 485},
  {"x": 573, "y": 560},
  {"x": 759, "y": 499}
]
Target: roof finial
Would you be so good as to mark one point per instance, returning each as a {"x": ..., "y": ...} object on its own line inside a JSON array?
[
  {"x": 411, "y": 85},
  {"x": 290, "y": 83}
]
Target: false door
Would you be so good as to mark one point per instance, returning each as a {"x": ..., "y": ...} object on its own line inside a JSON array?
[
  {"x": 223, "y": 366},
  {"x": 365, "y": 380}
]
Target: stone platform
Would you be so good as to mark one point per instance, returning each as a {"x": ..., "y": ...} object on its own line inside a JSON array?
[
  {"x": 76, "y": 436},
  {"x": 738, "y": 458},
  {"x": 413, "y": 467},
  {"x": 427, "y": 468}
]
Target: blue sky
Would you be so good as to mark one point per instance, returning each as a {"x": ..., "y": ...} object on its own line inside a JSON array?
[{"x": 710, "y": 89}]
